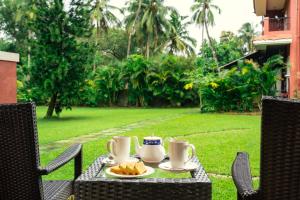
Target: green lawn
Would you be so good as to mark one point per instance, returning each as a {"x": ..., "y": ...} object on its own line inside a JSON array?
[{"x": 217, "y": 137}]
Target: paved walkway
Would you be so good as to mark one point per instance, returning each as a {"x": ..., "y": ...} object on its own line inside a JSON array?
[{"x": 105, "y": 133}]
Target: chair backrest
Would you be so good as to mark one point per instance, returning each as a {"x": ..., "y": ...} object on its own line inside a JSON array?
[
  {"x": 19, "y": 157},
  {"x": 280, "y": 149}
]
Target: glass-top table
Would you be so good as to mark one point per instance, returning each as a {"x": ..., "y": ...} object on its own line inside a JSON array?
[{"x": 95, "y": 184}]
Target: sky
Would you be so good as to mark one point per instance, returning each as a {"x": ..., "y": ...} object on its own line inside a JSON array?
[{"x": 234, "y": 14}]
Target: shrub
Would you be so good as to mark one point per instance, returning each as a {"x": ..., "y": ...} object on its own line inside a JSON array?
[
  {"x": 109, "y": 83},
  {"x": 88, "y": 93},
  {"x": 140, "y": 82},
  {"x": 134, "y": 74},
  {"x": 166, "y": 81},
  {"x": 240, "y": 88}
]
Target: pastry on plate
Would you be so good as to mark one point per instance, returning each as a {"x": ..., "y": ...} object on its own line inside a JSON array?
[{"x": 130, "y": 168}]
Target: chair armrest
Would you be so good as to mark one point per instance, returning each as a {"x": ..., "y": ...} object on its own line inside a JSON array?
[
  {"x": 72, "y": 152},
  {"x": 241, "y": 176}
]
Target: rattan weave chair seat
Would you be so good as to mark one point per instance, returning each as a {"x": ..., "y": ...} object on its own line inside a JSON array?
[{"x": 57, "y": 189}]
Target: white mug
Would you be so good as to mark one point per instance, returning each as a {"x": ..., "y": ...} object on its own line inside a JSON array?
[
  {"x": 119, "y": 148},
  {"x": 178, "y": 153}
]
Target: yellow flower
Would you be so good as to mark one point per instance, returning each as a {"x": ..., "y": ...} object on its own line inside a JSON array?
[
  {"x": 248, "y": 61},
  {"x": 245, "y": 71},
  {"x": 188, "y": 86},
  {"x": 20, "y": 84},
  {"x": 214, "y": 85},
  {"x": 90, "y": 83},
  {"x": 251, "y": 62}
]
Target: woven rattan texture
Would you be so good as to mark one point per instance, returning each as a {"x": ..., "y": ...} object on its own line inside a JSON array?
[
  {"x": 280, "y": 154},
  {"x": 280, "y": 150},
  {"x": 19, "y": 156},
  {"x": 54, "y": 190},
  {"x": 20, "y": 172},
  {"x": 89, "y": 187}
]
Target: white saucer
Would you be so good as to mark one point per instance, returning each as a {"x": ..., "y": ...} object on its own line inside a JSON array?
[
  {"x": 190, "y": 166},
  {"x": 110, "y": 162},
  {"x": 149, "y": 171}
]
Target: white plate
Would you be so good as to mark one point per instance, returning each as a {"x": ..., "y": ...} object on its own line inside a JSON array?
[
  {"x": 110, "y": 162},
  {"x": 190, "y": 166},
  {"x": 149, "y": 171}
]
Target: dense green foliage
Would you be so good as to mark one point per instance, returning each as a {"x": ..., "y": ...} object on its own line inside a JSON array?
[
  {"x": 113, "y": 45},
  {"x": 178, "y": 39},
  {"x": 177, "y": 81},
  {"x": 62, "y": 56},
  {"x": 228, "y": 49},
  {"x": 239, "y": 88},
  {"x": 141, "y": 82},
  {"x": 15, "y": 22},
  {"x": 59, "y": 59},
  {"x": 80, "y": 54},
  {"x": 203, "y": 15},
  {"x": 247, "y": 33}
]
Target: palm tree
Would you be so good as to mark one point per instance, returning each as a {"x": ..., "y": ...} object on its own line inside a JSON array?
[
  {"x": 132, "y": 27},
  {"x": 178, "y": 39},
  {"x": 149, "y": 19},
  {"x": 102, "y": 16},
  {"x": 247, "y": 33},
  {"x": 203, "y": 15}
]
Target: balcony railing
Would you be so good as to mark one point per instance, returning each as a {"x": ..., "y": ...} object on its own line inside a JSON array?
[{"x": 279, "y": 24}]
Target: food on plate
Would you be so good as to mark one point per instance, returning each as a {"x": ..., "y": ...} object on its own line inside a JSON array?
[
  {"x": 129, "y": 168},
  {"x": 140, "y": 168}
]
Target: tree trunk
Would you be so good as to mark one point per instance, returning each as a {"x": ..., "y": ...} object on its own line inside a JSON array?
[
  {"x": 156, "y": 39},
  {"x": 202, "y": 39},
  {"x": 211, "y": 47},
  {"x": 129, "y": 44},
  {"x": 51, "y": 106},
  {"x": 133, "y": 28},
  {"x": 148, "y": 47},
  {"x": 95, "y": 54},
  {"x": 94, "y": 63},
  {"x": 141, "y": 100},
  {"x": 28, "y": 62},
  {"x": 29, "y": 57},
  {"x": 202, "y": 42},
  {"x": 250, "y": 45}
]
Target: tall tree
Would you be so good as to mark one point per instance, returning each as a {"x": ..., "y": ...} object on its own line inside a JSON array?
[
  {"x": 247, "y": 33},
  {"x": 16, "y": 18},
  {"x": 178, "y": 39},
  {"x": 203, "y": 15},
  {"x": 59, "y": 58},
  {"x": 113, "y": 44},
  {"x": 228, "y": 49},
  {"x": 152, "y": 22},
  {"x": 103, "y": 18},
  {"x": 102, "y": 15},
  {"x": 132, "y": 25}
]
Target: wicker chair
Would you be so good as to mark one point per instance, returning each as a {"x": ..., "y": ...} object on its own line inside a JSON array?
[
  {"x": 20, "y": 172},
  {"x": 280, "y": 155}
]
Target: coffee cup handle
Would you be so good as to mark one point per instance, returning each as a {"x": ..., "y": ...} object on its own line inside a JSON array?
[
  {"x": 111, "y": 147},
  {"x": 193, "y": 152}
]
